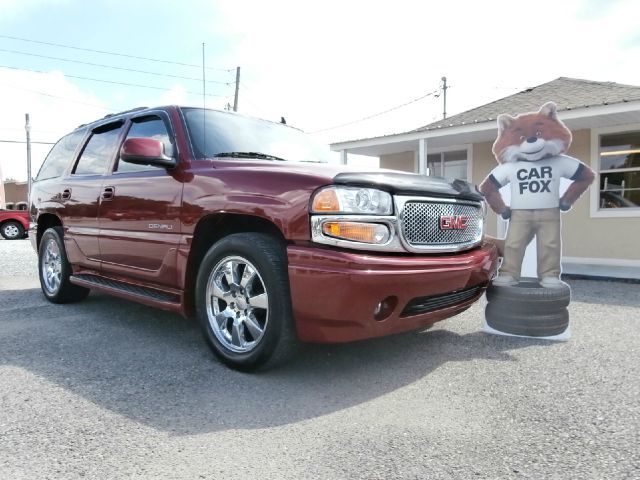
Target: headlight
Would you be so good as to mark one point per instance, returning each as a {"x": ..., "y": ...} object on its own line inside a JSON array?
[{"x": 368, "y": 201}]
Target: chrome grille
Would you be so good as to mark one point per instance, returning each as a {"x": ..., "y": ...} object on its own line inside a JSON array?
[{"x": 421, "y": 223}]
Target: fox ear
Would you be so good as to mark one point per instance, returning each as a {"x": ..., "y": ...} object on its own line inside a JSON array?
[
  {"x": 504, "y": 121},
  {"x": 550, "y": 110}
]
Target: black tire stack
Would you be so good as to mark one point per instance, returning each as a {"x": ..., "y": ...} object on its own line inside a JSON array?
[{"x": 528, "y": 309}]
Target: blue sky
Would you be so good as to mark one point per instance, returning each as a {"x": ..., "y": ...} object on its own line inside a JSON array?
[{"x": 318, "y": 63}]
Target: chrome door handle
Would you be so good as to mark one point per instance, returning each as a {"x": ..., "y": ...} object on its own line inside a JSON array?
[{"x": 108, "y": 193}]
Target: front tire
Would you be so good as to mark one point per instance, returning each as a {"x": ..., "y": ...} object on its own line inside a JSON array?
[
  {"x": 12, "y": 230},
  {"x": 243, "y": 302},
  {"x": 54, "y": 269}
]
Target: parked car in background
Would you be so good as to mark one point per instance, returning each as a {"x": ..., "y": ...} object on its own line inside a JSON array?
[
  {"x": 242, "y": 223},
  {"x": 14, "y": 224}
]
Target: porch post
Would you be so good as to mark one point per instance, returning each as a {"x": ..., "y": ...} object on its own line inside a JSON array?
[
  {"x": 343, "y": 157},
  {"x": 422, "y": 156}
]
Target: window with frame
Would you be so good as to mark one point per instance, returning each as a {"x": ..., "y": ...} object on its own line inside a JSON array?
[
  {"x": 619, "y": 171},
  {"x": 146, "y": 127},
  {"x": 99, "y": 151},
  {"x": 60, "y": 156},
  {"x": 449, "y": 165}
]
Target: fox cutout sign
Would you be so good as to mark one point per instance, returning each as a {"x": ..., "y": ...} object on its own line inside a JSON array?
[{"x": 530, "y": 153}]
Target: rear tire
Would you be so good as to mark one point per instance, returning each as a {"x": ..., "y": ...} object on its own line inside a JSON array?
[
  {"x": 54, "y": 269},
  {"x": 12, "y": 230},
  {"x": 243, "y": 302}
]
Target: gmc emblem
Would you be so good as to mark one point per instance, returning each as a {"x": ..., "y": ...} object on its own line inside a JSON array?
[{"x": 454, "y": 222}]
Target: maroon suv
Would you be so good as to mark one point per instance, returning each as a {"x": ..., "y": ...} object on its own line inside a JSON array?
[{"x": 243, "y": 223}]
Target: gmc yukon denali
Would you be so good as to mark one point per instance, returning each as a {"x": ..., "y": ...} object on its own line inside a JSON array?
[{"x": 243, "y": 223}]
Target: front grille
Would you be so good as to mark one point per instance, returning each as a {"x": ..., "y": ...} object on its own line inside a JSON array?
[
  {"x": 421, "y": 225},
  {"x": 436, "y": 302}
]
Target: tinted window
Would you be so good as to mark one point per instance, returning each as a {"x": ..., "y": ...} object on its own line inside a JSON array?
[
  {"x": 148, "y": 127},
  {"x": 99, "y": 151},
  {"x": 60, "y": 155},
  {"x": 214, "y": 132}
]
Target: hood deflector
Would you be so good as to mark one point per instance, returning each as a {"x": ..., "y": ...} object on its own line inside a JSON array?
[{"x": 410, "y": 184}]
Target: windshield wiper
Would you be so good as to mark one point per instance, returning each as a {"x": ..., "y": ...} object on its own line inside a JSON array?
[{"x": 261, "y": 156}]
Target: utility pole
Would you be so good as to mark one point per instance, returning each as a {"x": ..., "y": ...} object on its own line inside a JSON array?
[
  {"x": 27, "y": 127},
  {"x": 444, "y": 96},
  {"x": 235, "y": 100}
]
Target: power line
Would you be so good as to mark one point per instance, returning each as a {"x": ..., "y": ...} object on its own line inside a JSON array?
[
  {"x": 23, "y": 141},
  {"x": 109, "y": 81},
  {"x": 377, "y": 114},
  {"x": 113, "y": 67},
  {"x": 65, "y": 99},
  {"x": 105, "y": 52}
]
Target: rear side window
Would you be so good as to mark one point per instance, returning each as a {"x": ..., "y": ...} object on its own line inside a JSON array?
[
  {"x": 99, "y": 152},
  {"x": 60, "y": 156},
  {"x": 147, "y": 127}
]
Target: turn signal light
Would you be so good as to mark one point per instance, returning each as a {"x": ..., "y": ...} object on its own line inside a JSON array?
[
  {"x": 326, "y": 201},
  {"x": 357, "y": 232}
]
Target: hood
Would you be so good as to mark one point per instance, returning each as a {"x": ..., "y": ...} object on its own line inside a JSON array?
[
  {"x": 391, "y": 181},
  {"x": 410, "y": 184}
]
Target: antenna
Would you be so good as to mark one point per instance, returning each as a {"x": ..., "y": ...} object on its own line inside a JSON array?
[{"x": 204, "y": 104}]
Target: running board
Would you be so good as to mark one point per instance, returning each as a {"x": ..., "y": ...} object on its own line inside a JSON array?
[{"x": 125, "y": 289}]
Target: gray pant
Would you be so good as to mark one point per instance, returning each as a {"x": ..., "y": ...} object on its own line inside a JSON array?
[{"x": 544, "y": 224}]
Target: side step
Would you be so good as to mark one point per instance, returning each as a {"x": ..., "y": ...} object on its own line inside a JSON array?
[{"x": 116, "y": 287}]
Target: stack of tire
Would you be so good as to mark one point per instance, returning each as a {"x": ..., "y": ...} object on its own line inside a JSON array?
[{"x": 528, "y": 309}]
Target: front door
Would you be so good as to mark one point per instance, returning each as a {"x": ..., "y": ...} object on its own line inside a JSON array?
[{"x": 139, "y": 212}]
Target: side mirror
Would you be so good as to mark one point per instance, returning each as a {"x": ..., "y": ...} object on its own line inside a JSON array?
[{"x": 145, "y": 151}]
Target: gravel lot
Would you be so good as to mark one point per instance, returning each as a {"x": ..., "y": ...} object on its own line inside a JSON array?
[{"x": 111, "y": 389}]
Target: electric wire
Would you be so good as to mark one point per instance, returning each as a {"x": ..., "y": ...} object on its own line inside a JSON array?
[
  {"x": 109, "y": 81},
  {"x": 113, "y": 67},
  {"x": 106, "y": 52},
  {"x": 24, "y": 141},
  {"x": 65, "y": 99},
  {"x": 376, "y": 114}
]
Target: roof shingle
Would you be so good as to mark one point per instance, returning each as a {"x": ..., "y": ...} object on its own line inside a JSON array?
[{"x": 568, "y": 93}]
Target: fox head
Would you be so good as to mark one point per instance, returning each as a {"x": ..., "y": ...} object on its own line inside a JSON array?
[{"x": 531, "y": 136}]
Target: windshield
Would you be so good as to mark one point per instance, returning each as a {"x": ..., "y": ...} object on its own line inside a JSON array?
[{"x": 229, "y": 133}]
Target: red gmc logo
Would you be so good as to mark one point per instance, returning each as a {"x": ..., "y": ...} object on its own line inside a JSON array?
[{"x": 454, "y": 222}]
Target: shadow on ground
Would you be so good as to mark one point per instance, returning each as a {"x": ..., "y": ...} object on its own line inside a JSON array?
[{"x": 154, "y": 367}]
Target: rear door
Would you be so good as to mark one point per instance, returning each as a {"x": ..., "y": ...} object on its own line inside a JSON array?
[
  {"x": 80, "y": 194},
  {"x": 140, "y": 211}
]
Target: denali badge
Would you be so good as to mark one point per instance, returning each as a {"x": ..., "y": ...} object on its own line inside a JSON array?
[
  {"x": 453, "y": 222},
  {"x": 161, "y": 226}
]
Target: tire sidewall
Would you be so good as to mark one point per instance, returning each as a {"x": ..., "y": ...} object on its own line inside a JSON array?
[
  {"x": 65, "y": 270},
  {"x": 17, "y": 225},
  {"x": 530, "y": 297},
  {"x": 249, "y": 247}
]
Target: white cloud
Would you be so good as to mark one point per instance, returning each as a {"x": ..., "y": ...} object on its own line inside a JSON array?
[
  {"x": 55, "y": 107},
  {"x": 325, "y": 63}
]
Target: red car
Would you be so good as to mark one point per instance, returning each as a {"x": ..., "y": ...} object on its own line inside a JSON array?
[
  {"x": 14, "y": 224},
  {"x": 243, "y": 223}
]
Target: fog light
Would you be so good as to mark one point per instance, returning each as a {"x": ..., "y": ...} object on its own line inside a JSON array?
[
  {"x": 357, "y": 232},
  {"x": 385, "y": 308}
]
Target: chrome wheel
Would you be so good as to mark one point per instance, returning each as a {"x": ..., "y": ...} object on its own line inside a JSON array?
[
  {"x": 11, "y": 231},
  {"x": 52, "y": 266},
  {"x": 237, "y": 304}
]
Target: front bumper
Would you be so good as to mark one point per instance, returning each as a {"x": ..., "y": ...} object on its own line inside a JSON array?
[{"x": 335, "y": 294}]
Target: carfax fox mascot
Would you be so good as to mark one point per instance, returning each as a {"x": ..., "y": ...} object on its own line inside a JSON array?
[{"x": 529, "y": 150}]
